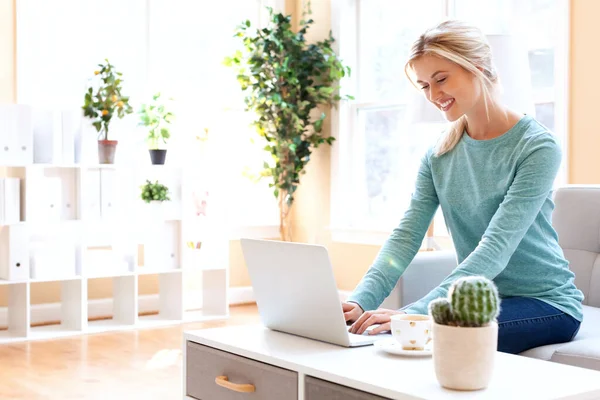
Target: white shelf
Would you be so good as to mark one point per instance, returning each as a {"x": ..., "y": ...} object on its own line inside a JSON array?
[
  {"x": 16, "y": 223},
  {"x": 15, "y": 282},
  {"x": 96, "y": 210},
  {"x": 104, "y": 166},
  {"x": 47, "y": 332},
  {"x": 155, "y": 320},
  {"x": 108, "y": 325},
  {"x": 51, "y": 332},
  {"x": 50, "y": 224},
  {"x": 57, "y": 279},
  {"x": 202, "y": 316},
  {"x": 111, "y": 275},
  {"x": 45, "y": 165},
  {"x": 150, "y": 271},
  {"x": 215, "y": 268},
  {"x": 10, "y": 337},
  {"x": 142, "y": 167}
]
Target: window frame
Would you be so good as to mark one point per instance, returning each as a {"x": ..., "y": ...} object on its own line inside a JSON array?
[{"x": 346, "y": 30}]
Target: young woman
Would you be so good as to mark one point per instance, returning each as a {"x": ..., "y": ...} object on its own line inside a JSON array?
[{"x": 492, "y": 173}]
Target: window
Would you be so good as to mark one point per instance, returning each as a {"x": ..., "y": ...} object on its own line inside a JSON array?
[
  {"x": 378, "y": 152},
  {"x": 543, "y": 25},
  {"x": 175, "y": 47},
  {"x": 187, "y": 43}
]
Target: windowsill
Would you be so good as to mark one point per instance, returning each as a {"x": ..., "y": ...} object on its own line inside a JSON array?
[
  {"x": 254, "y": 232},
  {"x": 338, "y": 234},
  {"x": 378, "y": 237},
  {"x": 359, "y": 236}
]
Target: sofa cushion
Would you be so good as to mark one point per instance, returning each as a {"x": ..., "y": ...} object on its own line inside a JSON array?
[
  {"x": 543, "y": 352},
  {"x": 583, "y": 351},
  {"x": 590, "y": 327},
  {"x": 580, "y": 353},
  {"x": 576, "y": 219},
  {"x": 582, "y": 263}
]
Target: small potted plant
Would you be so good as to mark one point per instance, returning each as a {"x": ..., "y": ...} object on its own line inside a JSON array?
[
  {"x": 102, "y": 103},
  {"x": 465, "y": 333},
  {"x": 154, "y": 192},
  {"x": 157, "y": 119}
]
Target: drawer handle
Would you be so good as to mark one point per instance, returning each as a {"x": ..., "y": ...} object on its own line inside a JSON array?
[{"x": 236, "y": 387}]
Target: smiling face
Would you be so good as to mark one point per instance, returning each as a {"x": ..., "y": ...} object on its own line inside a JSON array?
[{"x": 452, "y": 89}]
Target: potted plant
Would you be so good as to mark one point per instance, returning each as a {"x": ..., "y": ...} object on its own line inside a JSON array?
[
  {"x": 285, "y": 79},
  {"x": 157, "y": 119},
  {"x": 465, "y": 333},
  {"x": 104, "y": 102},
  {"x": 154, "y": 194}
]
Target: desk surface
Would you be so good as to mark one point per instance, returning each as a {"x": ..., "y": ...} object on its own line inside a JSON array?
[{"x": 371, "y": 370}]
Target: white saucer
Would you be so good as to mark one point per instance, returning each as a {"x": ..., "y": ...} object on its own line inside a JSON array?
[{"x": 392, "y": 346}]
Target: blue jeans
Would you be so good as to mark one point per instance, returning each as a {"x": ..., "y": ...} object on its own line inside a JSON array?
[{"x": 525, "y": 323}]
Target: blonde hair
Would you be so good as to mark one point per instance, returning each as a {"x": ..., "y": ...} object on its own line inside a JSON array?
[{"x": 466, "y": 46}]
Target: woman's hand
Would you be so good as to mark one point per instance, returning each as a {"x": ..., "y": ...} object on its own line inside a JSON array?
[
  {"x": 380, "y": 316},
  {"x": 351, "y": 311}
]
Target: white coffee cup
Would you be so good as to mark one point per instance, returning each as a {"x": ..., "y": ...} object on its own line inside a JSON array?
[{"x": 412, "y": 331}]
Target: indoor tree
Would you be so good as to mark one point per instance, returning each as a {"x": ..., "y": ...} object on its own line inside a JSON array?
[{"x": 284, "y": 78}]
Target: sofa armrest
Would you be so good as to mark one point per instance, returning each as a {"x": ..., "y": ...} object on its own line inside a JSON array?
[{"x": 427, "y": 270}]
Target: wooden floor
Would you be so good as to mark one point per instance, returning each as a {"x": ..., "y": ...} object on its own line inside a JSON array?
[{"x": 142, "y": 364}]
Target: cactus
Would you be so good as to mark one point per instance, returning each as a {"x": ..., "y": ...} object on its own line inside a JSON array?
[
  {"x": 472, "y": 302},
  {"x": 441, "y": 312}
]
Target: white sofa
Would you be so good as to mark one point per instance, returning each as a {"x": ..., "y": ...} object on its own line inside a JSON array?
[{"x": 577, "y": 221}]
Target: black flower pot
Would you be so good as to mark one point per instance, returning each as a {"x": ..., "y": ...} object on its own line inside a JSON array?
[{"x": 158, "y": 156}]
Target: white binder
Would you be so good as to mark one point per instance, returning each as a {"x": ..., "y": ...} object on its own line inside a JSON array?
[
  {"x": 10, "y": 201},
  {"x": 48, "y": 138},
  {"x": 14, "y": 254}
]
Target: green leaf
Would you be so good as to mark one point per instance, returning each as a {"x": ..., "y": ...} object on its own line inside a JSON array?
[{"x": 318, "y": 125}]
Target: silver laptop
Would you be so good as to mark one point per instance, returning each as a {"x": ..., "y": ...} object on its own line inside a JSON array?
[{"x": 296, "y": 293}]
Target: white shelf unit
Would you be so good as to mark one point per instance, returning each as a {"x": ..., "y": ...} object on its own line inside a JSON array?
[
  {"x": 94, "y": 216},
  {"x": 18, "y": 312},
  {"x": 72, "y": 314},
  {"x": 124, "y": 305}
]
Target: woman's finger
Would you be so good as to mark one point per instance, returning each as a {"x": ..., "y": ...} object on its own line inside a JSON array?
[
  {"x": 360, "y": 321},
  {"x": 387, "y": 326},
  {"x": 362, "y": 326},
  {"x": 378, "y": 319},
  {"x": 349, "y": 315},
  {"x": 373, "y": 319}
]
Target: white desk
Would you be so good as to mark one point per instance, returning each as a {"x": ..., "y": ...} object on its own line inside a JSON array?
[{"x": 370, "y": 370}]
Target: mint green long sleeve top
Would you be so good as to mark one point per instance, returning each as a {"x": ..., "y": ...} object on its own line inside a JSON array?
[{"x": 496, "y": 198}]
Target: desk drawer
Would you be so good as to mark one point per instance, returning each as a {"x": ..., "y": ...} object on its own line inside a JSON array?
[
  {"x": 204, "y": 364},
  {"x": 317, "y": 389}
]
